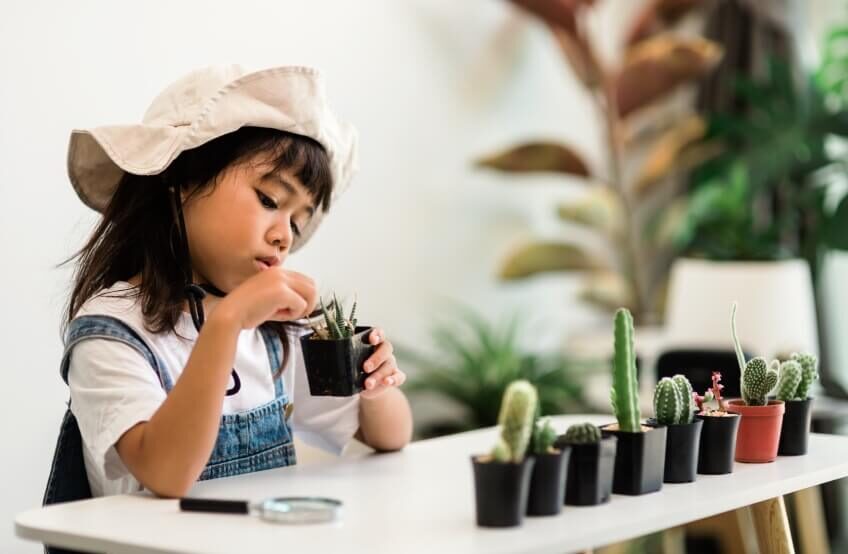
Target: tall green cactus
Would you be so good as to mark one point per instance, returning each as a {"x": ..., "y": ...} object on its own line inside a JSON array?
[
  {"x": 583, "y": 433},
  {"x": 788, "y": 380},
  {"x": 757, "y": 378},
  {"x": 809, "y": 373},
  {"x": 517, "y": 413},
  {"x": 625, "y": 393},
  {"x": 673, "y": 401}
]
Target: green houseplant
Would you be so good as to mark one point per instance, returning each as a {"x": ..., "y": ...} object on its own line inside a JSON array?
[
  {"x": 674, "y": 407},
  {"x": 502, "y": 477},
  {"x": 620, "y": 205},
  {"x": 793, "y": 387},
  {"x": 640, "y": 451},
  {"x": 590, "y": 465},
  {"x": 476, "y": 361},
  {"x": 761, "y": 418},
  {"x": 335, "y": 351},
  {"x": 717, "y": 446},
  {"x": 548, "y": 480}
]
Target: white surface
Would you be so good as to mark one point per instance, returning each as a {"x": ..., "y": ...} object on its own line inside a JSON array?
[
  {"x": 776, "y": 311},
  {"x": 418, "y": 500}
]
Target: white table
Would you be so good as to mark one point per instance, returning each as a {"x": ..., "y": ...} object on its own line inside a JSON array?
[{"x": 422, "y": 500}]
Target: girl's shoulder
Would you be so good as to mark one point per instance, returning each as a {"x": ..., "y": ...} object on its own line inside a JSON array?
[{"x": 119, "y": 301}]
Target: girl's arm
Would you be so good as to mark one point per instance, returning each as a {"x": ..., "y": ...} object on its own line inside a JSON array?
[
  {"x": 385, "y": 421},
  {"x": 168, "y": 453}
]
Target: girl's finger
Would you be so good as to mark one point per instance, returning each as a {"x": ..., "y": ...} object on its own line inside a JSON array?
[
  {"x": 379, "y": 357},
  {"x": 376, "y": 336},
  {"x": 396, "y": 379},
  {"x": 386, "y": 371}
]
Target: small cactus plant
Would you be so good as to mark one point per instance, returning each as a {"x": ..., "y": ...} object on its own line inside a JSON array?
[
  {"x": 335, "y": 325},
  {"x": 582, "y": 433},
  {"x": 758, "y": 378},
  {"x": 544, "y": 437},
  {"x": 712, "y": 393},
  {"x": 796, "y": 376},
  {"x": 674, "y": 401},
  {"x": 625, "y": 394},
  {"x": 517, "y": 413}
]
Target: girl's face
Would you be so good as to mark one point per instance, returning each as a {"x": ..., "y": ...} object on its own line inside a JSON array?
[{"x": 245, "y": 223}]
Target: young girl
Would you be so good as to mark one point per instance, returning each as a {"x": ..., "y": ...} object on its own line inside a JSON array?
[{"x": 181, "y": 348}]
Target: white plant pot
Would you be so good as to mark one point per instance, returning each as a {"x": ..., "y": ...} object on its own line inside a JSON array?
[{"x": 776, "y": 311}]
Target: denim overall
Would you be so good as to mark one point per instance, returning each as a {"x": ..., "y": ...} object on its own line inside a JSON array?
[{"x": 247, "y": 441}]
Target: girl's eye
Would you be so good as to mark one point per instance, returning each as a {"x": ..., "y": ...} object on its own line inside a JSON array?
[
  {"x": 266, "y": 201},
  {"x": 295, "y": 229}
]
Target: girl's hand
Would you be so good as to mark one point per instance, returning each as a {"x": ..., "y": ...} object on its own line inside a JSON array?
[
  {"x": 381, "y": 367},
  {"x": 275, "y": 294}
]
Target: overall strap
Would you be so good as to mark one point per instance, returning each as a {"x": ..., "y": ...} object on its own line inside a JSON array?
[
  {"x": 274, "y": 346},
  {"x": 111, "y": 328}
]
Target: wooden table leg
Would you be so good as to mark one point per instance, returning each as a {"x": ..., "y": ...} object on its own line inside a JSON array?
[
  {"x": 809, "y": 515},
  {"x": 772, "y": 526}
]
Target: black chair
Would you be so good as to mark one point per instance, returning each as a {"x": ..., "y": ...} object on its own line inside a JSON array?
[{"x": 698, "y": 366}]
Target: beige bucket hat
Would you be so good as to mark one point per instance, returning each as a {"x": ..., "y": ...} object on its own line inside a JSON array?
[{"x": 202, "y": 106}]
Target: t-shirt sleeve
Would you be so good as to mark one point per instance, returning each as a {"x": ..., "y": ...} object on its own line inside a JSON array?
[
  {"x": 325, "y": 422},
  {"x": 113, "y": 387}
]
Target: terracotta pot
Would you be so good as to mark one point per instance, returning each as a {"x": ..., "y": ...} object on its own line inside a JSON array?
[{"x": 759, "y": 430}]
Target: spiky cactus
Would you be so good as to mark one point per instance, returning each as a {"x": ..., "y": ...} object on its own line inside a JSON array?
[
  {"x": 625, "y": 394},
  {"x": 674, "y": 401},
  {"x": 544, "y": 437},
  {"x": 809, "y": 373},
  {"x": 335, "y": 326},
  {"x": 758, "y": 379},
  {"x": 518, "y": 410},
  {"x": 582, "y": 433},
  {"x": 788, "y": 380},
  {"x": 500, "y": 453},
  {"x": 685, "y": 388}
]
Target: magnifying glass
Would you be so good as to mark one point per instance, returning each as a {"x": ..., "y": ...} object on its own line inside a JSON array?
[{"x": 294, "y": 509}]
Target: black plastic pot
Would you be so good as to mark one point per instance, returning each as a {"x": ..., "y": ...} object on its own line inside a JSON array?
[
  {"x": 501, "y": 491},
  {"x": 334, "y": 367},
  {"x": 639, "y": 461},
  {"x": 590, "y": 469},
  {"x": 547, "y": 483},
  {"x": 718, "y": 444},
  {"x": 681, "y": 451},
  {"x": 795, "y": 430}
]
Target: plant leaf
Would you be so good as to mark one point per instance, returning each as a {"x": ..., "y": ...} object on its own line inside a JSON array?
[
  {"x": 657, "y": 16},
  {"x": 657, "y": 66},
  {"x": 580, "y": 57},
  {"x": 537, "y": 157},
  {"x": 607, "y": 290},
  {"x": 599, "y": 208},
  {"x": 534, "y": 258},
  {"x": 665, "y": 155}
]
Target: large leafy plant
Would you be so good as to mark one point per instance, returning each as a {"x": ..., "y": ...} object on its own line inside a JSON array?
[
  {"x": 475, "y": 363},
  {"x": 620, "y": 204},
  {"x": 773, "y": 192}
]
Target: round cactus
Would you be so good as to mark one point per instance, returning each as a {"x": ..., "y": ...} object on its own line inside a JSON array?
[
  {"x": 667, "y": 402},
  {"x": 788, "y": 381},
  {"x": 582, "y": 433},
  {"x": 518, "y": 410},
  {"x": 809, "y": 373},
  {"x": 687, "y": 413}
]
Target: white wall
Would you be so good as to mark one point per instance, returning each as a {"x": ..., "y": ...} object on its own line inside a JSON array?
[{"x": 423, "y": 81}]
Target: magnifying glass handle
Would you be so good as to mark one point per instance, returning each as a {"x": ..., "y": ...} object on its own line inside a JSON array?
[{"x": 215, "y": 506}]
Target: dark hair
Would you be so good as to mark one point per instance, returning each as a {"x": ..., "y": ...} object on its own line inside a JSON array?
[{"x": 138, "y": 233}]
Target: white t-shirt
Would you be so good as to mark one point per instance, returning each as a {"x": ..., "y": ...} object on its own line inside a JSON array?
[{"x": 113, "y": 388}]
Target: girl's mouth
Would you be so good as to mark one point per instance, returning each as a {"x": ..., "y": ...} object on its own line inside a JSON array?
[{"x": 265, "y": 263}]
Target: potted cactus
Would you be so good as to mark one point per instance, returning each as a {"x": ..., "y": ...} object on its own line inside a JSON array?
[
  {"x": 674, "y": 407},
  {"x": 547, "y": 482},
  {"x": 640, "y": 452},
  {"x": 502, "y": 478},
  {"x": 590, "y": 465},
  {"x": 759, "y": 429},
  {"x": 793, "y": 386},
  {"x": 718, "y": 436},
  {"x": 335, "y": 351}
]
